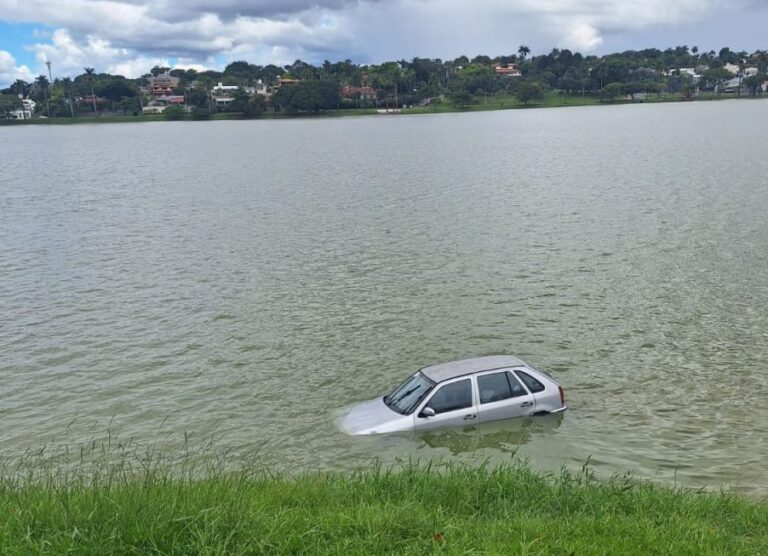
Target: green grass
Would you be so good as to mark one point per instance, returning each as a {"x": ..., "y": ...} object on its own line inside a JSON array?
[{"x": 152, "y": 505}]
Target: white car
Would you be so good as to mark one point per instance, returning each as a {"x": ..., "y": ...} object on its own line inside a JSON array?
[{"x": 459, "y": 393}]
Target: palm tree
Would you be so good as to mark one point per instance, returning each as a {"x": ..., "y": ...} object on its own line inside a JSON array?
[
  {"x": 20, "y": 87},
  {"x": 89, "y": 73},
  {"x": 66, "y": 83},
  {"x": 43, "y": 85},
  {"x": 523, "y": 51}
]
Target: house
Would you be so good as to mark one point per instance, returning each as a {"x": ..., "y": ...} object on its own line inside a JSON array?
[
  {"x": 162, "y": 84},
  {"x": 159, "y": 104},
  {"x": 26, "y": 111},
  {"x": 361, "y": 93},
  {"x": 731, "y": 86},
  {"x": 733, "y": 68},
  {"x": 691, "y": 74},
  {"x": 223, "y": 95},
  {"x": 286, "y": 81},
  {"x": 90, "y": 100},
  {"x": 259, "y": 89},
  {"x": 750, "y": 71},
  {"x": 507, "y": 70}
]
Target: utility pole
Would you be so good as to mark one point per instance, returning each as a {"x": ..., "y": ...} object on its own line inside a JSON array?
[{"x": 50, "y": 77}]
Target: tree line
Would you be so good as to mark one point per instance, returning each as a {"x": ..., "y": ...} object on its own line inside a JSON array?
[{"x": 462, "y": 80}]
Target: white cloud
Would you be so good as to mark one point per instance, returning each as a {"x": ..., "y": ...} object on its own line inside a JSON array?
[
  {"x": 10, "y": 72},
  {"x": 582, "y": 37}
]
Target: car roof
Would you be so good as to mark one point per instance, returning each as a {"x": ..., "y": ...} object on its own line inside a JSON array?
[{"x": 452, "y": 369}]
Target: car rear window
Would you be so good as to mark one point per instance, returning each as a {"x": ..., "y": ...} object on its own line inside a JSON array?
[
  {"x": 517, "y": 388},
  {"x": 532, "y": 384}
]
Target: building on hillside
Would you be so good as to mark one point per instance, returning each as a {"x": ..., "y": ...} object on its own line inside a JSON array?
[
  {"x": 223, "y": 95},
  {"x": 691, "y": 73},
  {"x": 89, "y": 100},
  {"x": 507, "y": 70},
  {"x": 361, "y": 93},
  {"x": 162, "y": 84},
  {"x": 26, "y": 111},
  {"x": 159, "y": 104},
  {"x": 731, "y": 86},
  {"x": 260, "y": 89},
  {"x": 750, "y": 71},
  {"x": 286, "y": 81},
  {"x": 733, "y": 68}
]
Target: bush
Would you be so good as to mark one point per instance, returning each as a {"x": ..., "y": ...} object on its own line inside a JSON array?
[{"x": 174, "y": 113}]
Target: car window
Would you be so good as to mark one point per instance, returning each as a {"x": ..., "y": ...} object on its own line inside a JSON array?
[
  {"x": 517, "y": 388},
  {"x": 457, "y": 395},
  {"x": 532, "y": 384},
  {"x": 409, "y": 395},
  {"x": 494, "y": 387}
]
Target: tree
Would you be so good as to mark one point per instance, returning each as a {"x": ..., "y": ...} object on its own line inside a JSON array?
[
  {"x": 8, "y": 104},
  {"x": 42, "y": 85},
  {"x": 754, "y": 82},
  {"x": 523, "y": 51},
  {"x": 611, "y": 91},
  {"x": 20, "y": 87},
  {"x": 89, "y": 73},
  {"x": 528, "y": 91},
  {"x": 198, "y": 97},
  {"x": 173, "y": 112},
  {"x": 257, "y": 105},
  {"x": 66, "y": 84},
  {"x": 240, "y": 101},
  {"x": 460, "y": 98},
  {"x": 128, "y": 104},
  {"x": 307, "y": 96}
]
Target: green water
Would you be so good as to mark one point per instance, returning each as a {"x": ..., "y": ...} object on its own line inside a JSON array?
[{"x": 250, "y": 280}]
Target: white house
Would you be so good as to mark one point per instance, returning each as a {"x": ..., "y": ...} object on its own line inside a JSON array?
[
  {"x": 691, "y": 72},
  {"x": 733, "y": 68},
  {"x": 222, "y": 94},
  {"x": 26, "y": 111}
]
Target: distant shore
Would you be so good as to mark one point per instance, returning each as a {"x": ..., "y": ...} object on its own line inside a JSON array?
[{"x": 506, "y": 102}]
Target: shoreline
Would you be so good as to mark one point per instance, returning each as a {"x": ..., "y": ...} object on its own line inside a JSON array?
[
  {"x": 135, "y": 507},
  {"x": 496, "y": 104}
]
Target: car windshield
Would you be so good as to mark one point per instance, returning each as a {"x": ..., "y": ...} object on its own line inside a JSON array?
[{"x": 405, "y": 398}]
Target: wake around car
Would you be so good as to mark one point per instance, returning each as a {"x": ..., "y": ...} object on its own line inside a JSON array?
[{"x": 459, "y": 393}]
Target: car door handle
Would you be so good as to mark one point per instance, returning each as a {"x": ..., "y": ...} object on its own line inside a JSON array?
[
  {"x": 469, "y": 417},
  {"x": 526, "y": 404}
]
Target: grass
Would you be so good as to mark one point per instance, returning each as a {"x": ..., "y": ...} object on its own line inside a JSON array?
[{"x": 140, "y": 503}]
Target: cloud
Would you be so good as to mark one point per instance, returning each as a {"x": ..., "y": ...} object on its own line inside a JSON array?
[
  {"x": 130, "y": 36},
  {"x": 582, "y": 37},
  {"x": 10, "y": 72}
]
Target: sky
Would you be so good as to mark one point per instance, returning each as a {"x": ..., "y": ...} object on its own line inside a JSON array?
[{"x": 128, "y": 37}]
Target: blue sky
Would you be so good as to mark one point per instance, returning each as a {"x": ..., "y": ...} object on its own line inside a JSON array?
[
  {"x": 130, "y": 36},
  {"x": 13, "y": 37}
]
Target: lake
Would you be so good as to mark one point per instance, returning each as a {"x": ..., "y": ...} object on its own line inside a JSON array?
[{"x": 249, "y": 280}]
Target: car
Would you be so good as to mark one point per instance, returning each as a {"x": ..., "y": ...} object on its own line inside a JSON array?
[{"x": 459, "y": 393}]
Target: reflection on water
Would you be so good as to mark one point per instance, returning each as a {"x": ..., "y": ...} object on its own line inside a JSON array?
[
  {"x": 256, "y": 277},
  {"x": 504, "y": 436}
]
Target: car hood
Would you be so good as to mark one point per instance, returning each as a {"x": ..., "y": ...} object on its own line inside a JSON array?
[{"x": 373, "y": 417}]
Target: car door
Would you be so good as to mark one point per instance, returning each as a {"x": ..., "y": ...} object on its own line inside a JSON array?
[
  {"x": 453, "y": 403},
  {"x": 501, "y": 395}
]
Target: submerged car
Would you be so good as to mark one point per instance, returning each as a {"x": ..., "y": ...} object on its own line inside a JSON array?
[{"x": 459, "y": 393}]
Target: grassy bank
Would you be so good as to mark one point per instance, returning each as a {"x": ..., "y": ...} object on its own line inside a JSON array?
[{"x": 415, "y": 510}]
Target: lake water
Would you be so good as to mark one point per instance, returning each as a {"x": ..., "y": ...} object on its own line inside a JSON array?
[{"x": 249, "y": 280}]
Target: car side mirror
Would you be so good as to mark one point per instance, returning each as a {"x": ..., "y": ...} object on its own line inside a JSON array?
[{"x": 427, "y": 412}]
